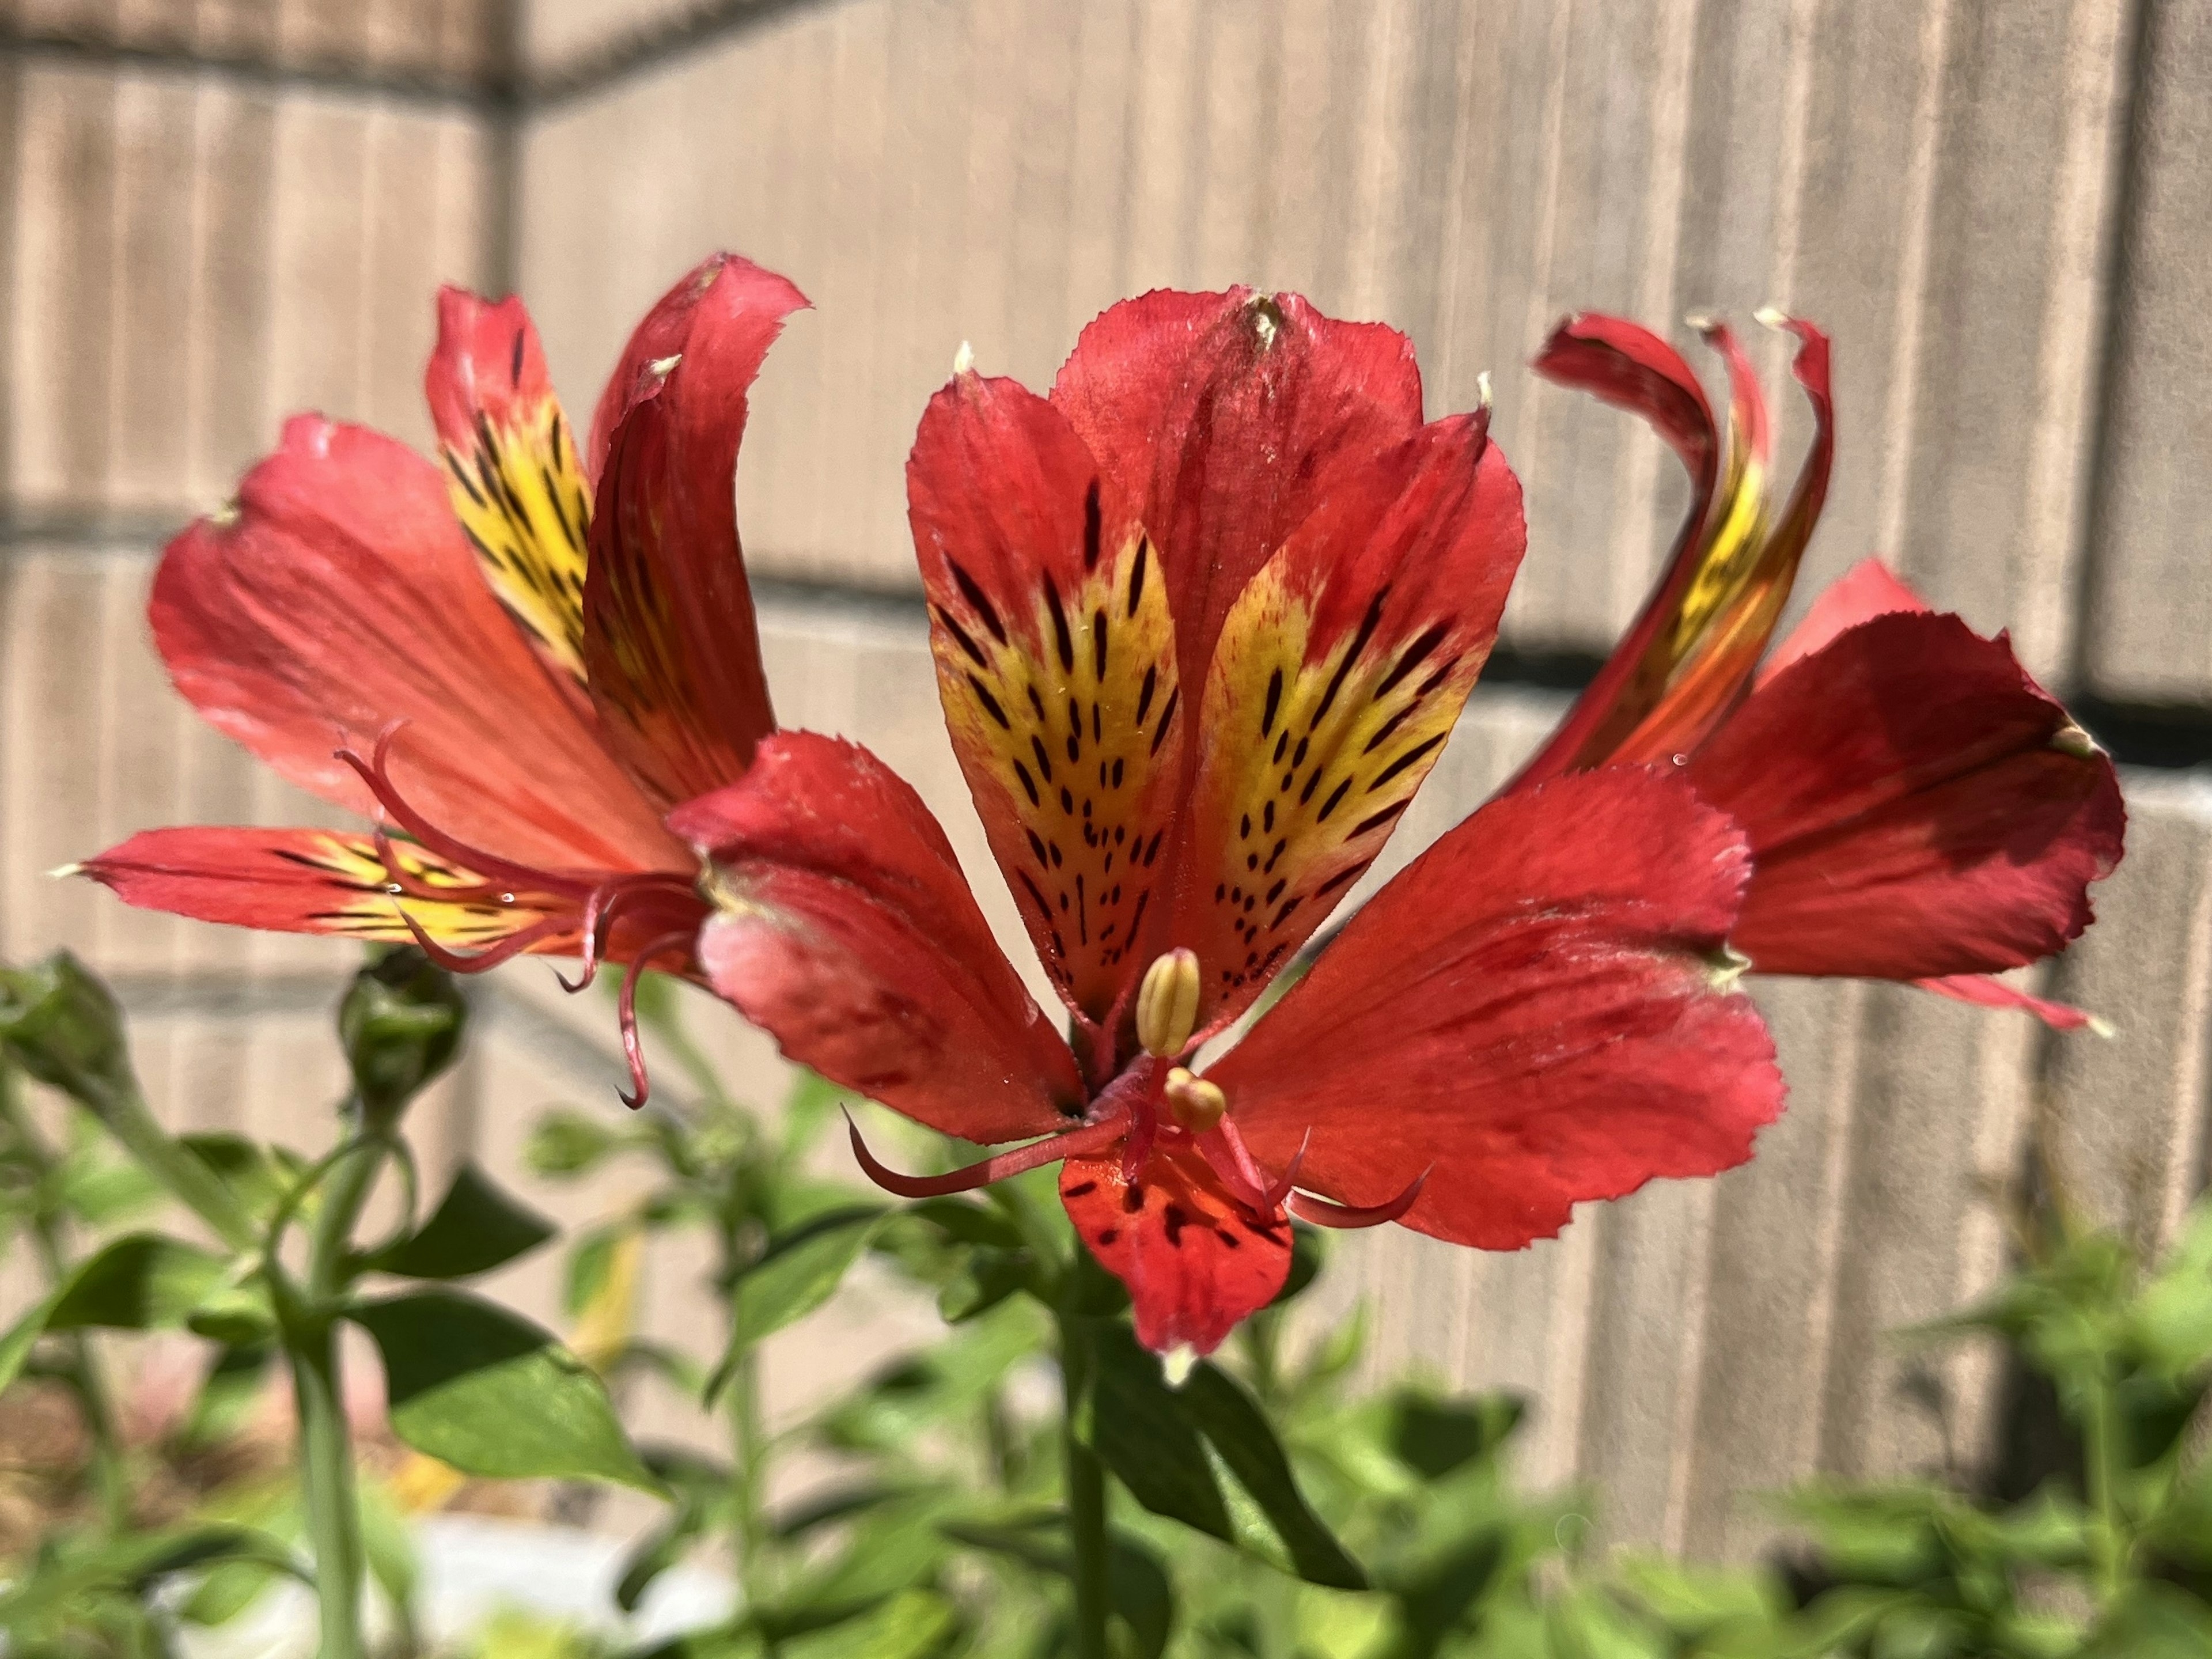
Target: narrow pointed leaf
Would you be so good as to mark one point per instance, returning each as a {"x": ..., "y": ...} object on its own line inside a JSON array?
[
  {"x": 485, "y": 1390},
  {"x": 1138, "y": 1427},
  {"x": 1238, "y": 1431},
  {"x": 474, "y": 1228},
  {"x": 140, "y": 1282}
]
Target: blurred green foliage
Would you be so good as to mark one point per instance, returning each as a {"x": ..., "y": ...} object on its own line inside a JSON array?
[{"x": 1271, "y": 1503}]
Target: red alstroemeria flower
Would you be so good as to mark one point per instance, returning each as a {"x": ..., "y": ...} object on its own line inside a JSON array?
[
  {"x": 516, "y": 663},
  {"x": 1918, "y": 808},
  {"x": 1202, "y": 620}
]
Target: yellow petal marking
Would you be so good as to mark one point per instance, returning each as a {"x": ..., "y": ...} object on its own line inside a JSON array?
[
  {"x": 520, "y": 493},
  {"x": 1069, "y": 715},
  {"x": 1309, "y": 762},
  {"x": 365, "y": 906}
]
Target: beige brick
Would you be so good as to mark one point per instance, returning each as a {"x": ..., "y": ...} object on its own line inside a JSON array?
[
  {"x": 65, "y": 254},
  {"x": 1770, "y": 1300},
  {"x": 2149, "y": 621},
  {"x": 562, "y": 34},
  {"x": 229, "y": 278},
  {"x": 322, "y": 33},
  {"x": 241, "y": 28},
  {"x": 2005, "y": 374},
  {"x": 149, "y": 325},
  {"x": 2124, "y": 1124},
  {"x": 429, "y": 191},
  {"x": 49, "y": 762},
  {"x": 318, "y": 217}
]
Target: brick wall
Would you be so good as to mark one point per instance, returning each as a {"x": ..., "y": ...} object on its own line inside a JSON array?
[{"x": 223, "y": 210}]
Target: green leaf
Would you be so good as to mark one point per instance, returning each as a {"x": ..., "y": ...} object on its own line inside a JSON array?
[
  {"x": 799, "y": 1271},
  {"x": 661, "y": 1549},
  {"x": 1238, "y": 1431},
  {"x": 1435, "y": 1437},
  {"x": 233, "y": 1386},
  {"x": 17, "y": 1342},
  {"x": 488, "y": 1392},
  {"x": 566, "y": 1142},
  {"x": 911, "y": 1625},
  {"x": 474, "y": 1228},
  {"x": 1138, "y": 1429},
  {"x": 968, "y": 1222},
  {"x": 590, "y": 1260},
  {"x": 254, "y": 1177},
  {"x": 140, "y": 1282},
  {"x": 1141, "y": 1593},
  {"x": 94, "y": 1186}
]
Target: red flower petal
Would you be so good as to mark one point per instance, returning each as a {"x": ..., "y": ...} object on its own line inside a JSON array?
[
  {"x": 1530, "y": 1012},
  {"x": 1692, "y": 650},
  {"x": 318, "y": 881},
  {"x": 1339, "y": 673},
  {"x": 1631, "y": 369},
  {"x": 1917, "y": 806},
  {"x": 670, "y": 641},
  {"x": 1983, "y": 992},
  {"x": 338, "y": 596},
  {"x": 845, "y": 930},
  {"x": 1195, "y": 1261},
  {"x": 1056, "y": 664},
  {"x": 659, "y": 334},
  {"x": 1866, "y": 591},
  {"x": 1225, "y": 419},
  {"x": 514, "y": 478}
]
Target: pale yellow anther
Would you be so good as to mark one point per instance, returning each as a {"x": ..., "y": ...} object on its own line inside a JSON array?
[
  {"x": 1193, "y": 1101},
  {"x": 2071, "y": 739},
  {"x": 1167, "y": 1003}
]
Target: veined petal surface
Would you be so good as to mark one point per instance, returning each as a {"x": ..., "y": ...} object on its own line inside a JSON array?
[
  {"x": 511, "y": 472},
  {"x": 1917, "y": 806},
  {"x": 670, "y": 645},
  {"x": 338, "y": 596},
  {"x": 1197, "y": 1263},
  {"x": 321, "y": 881},
  {"x": 1339, "y": 671},
  {"x": 1534, "y": 1013},
  {"x": 1225, "y": 419},
  {"x": 1057, "y": 667},
  {"x": 843, "y": 927}
]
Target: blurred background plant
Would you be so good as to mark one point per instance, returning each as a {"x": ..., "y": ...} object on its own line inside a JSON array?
[{"x": 1265, "y": 1506}]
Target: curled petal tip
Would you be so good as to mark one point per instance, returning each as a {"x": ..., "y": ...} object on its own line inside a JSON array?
[
  {"x": 2098, "y": 1026},
  {"x": 1322, "y": 1213},
  {"x": 963, "y": 360},
  {"x": 1772, "y": 317},
  {"x": 1482, "y": 390},
  {"x": 1178, "y": 1363},
  {"x": 64, "y": 871},
  {"x": 1704, "y": 322}
]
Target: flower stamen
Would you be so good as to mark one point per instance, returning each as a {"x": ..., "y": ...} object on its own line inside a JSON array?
[{"x": 1167, "y": 1003}]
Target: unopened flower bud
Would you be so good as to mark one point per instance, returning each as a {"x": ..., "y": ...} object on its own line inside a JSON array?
[
  {"x": 1167, "y": 1003},
  {"x": 1193, "y": 1102}
]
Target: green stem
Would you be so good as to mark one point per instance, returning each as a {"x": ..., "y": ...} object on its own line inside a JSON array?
[
  {"x": 1086, "y": 1500},
  {"x": 110, "y": 1479},
  {"x": 123, "y": 1110},
  {"x": 2109, "y": 1550},
  {"x": 749, "y": 1447},
  {"x": 326, "y": 1463}
]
